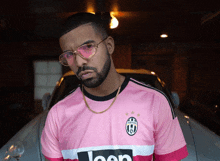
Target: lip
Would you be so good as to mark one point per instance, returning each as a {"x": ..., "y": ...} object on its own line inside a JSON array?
[
  {"x": 86, "y": 76},
  {"x": 81, "y": 74}
]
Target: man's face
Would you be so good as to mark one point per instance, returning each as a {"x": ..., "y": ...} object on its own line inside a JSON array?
[{"x": 91, "y": 72}]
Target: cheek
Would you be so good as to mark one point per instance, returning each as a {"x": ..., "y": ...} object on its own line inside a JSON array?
[
  {"x": 73, "y": 67},
  {"x": 96, "y": 63},
  {"x": 70, "y": 61},
  {"x": 99, "y": 60}
]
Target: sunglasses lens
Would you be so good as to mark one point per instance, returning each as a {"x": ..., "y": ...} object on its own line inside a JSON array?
[
  {"x": 86, "y": 50},
  {"x": 66, "y": 58}
]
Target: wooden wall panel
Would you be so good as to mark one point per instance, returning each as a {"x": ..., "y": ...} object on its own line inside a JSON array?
[
  {"x": 14, "y": 67},
  {"x": 122, "y": 56},
  {"x": 180, "y": 75},
  {"x": 204, "y": 71}
]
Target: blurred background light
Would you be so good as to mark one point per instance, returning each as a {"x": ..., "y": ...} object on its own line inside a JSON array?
[
  {"x": 163, "y": 35},
  {"x": 114, "y": 22},
  {"x": 152, "y": 73},
  {"x": 91, "y": 6}
]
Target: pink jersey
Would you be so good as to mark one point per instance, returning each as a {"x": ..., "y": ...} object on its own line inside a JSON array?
[{"x": 139, "y": 124}]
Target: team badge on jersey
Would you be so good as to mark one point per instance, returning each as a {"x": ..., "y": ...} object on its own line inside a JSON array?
[{"x": 131, "y": 126}]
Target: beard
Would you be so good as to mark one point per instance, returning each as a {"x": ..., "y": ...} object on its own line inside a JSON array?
[{"x": 100, "y": 76}]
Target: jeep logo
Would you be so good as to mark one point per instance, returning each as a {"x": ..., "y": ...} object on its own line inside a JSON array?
[{"x": 106, "y": 155}]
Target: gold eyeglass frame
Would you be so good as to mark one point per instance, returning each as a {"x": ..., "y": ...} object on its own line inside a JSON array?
[{"x": 78, "y": 53}]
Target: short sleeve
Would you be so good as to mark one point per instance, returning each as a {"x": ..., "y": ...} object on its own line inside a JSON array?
[
  {"x": 49, "y": 137},
  {"x": 170, "y": 144}
]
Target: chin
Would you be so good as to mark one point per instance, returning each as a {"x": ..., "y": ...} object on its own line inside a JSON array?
[{"x": 92, "y": 82}]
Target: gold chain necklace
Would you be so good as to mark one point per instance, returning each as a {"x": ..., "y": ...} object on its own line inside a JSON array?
[{"x": 105, "y": 109}]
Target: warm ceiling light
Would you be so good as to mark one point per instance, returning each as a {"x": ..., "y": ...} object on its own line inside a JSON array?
[
  {"x": 114, "y": 22},
  {"x": 153, "y": 73},
  {"x": 90, "y": 6},
  {"x": 186, "y": 116},
  {"x": 90, "y": 9},
  {"x": 92, "y": 12},
  {"x": 163, "y": 35}
]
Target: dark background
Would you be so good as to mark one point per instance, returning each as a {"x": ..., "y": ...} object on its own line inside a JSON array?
[{"x": 188, "y": 60}]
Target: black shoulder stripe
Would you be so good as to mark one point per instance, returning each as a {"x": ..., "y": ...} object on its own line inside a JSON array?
[
  {"x": 73, "y": 90},
  {"x": 149, "y": 86}
]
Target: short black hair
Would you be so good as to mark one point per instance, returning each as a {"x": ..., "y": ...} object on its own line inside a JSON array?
[{"x": 99, "y": 21}]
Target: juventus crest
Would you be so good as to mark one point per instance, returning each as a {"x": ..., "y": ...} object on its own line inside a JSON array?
[{"x": 131, "y": 126}]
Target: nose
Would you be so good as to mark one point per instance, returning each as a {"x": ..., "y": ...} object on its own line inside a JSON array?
[{"x": 80, "y": 61}]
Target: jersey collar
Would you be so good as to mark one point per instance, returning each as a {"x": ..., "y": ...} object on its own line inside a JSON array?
[{"x": 108, "y": 97}]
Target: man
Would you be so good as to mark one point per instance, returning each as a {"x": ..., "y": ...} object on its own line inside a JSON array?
[{"x": 109, "y": 117}]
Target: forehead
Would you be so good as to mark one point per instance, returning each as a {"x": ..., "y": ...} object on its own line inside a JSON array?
[{"x": 78, "y": 36}]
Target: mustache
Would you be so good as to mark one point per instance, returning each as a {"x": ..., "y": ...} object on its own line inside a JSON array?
[{"x": 83, "y": 68}]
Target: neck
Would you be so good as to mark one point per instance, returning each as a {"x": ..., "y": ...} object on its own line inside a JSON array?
[{"x": 112, "y": 82}]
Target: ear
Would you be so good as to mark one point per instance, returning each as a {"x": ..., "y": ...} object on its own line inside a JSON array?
[{"x": 110, "y": 44}]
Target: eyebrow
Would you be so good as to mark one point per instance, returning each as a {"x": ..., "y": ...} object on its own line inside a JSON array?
[{"x": 86, "y": 42}]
